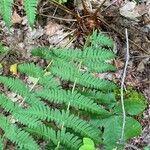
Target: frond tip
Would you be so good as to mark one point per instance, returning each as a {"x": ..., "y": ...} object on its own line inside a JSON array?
[
  {"x": 6, "y": 11},
  {"x": 30, "y": 7}
]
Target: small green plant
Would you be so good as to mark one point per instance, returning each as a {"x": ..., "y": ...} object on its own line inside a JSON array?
[
  {"x": 88, "y": 144},
  {"x": 67, "y": 102}
]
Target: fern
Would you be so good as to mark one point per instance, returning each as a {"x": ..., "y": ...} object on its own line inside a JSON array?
[
  {"x": 30, "y": 8},
  {"x": 22, "y": 138},
  {"x": 6, "y": 10},
  {"x": 67, "y": 102}
]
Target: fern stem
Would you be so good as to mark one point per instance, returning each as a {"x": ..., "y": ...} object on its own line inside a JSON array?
[
  {"x": 68, "y": 106},
  {"x": 40, "y": 77}
]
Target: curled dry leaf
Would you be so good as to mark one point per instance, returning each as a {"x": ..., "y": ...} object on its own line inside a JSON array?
[{"x": 16, "y": 18}]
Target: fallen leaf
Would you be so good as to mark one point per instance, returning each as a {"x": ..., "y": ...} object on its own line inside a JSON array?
[
  {"x": 52, "y": 28},
  {"x": 16, "y": 18},
  {"x": 13, "y": 69}
]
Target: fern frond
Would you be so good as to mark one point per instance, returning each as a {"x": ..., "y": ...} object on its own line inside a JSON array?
[
  {"x": 31, "y": 70},
  {"x": 100, "y": 40},
  {"x": 45, "y": 78},
  {"x": 88, "y": 53},
  {"x": 43, "y": 52},
  {"x": 30, "y": 7},
  {"x": 17, "y": 86},
  {"x": 70, "y": 140},
  {"x": 49, "y": 82},
  {"x": 102, "y": 54},
  {"x": 17, "y": 135},
  {"x": 98, "y": 66},
  {"x": 84, "y": 79},
  {"x": 14, "y": 108},
  {"x": 64, "y": 118},
  {"x": 75, "y": 99},
  {"x": 7, "y": 104},
  {"x": 65, "y": 138},
  {"x": 106, "y": 99},
  {"x": 6, "y": 11}
]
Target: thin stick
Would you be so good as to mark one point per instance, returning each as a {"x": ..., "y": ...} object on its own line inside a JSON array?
[
  {"x": 122, "y": 86},
  {"x": 58, "y": 18},
  {"x": 132, "y": 146},
  {"x": 121, "y": 35},
  {"x": 99, "y": 7}
]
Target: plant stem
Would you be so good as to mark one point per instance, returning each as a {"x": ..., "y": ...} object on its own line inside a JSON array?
[{"x": 122, "y": 86}]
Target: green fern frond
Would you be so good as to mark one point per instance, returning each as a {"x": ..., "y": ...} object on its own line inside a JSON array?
[
  {"x": 65, "y": 138},
  {"x": 98, "y": 66},
  {"x": 102, "y": 40},
  {"x": 73, "y": 142},
  {"x": 88, "y": 53},
  {"x": 17, "y": 135},
  {"x": 14, "y": 108},
  {"x": 64, "y": 118},
  {"x": 17, "y": 86},
  {"x": 30, "y": 7},
  {"x": 7, "y": 104},
  {"x": 75, "y": 99},
  {"x": 45, "y": 78},
  {"x": 84, "y": 79},
  {"x": 106, "y": 99},
  {"x": 31, "y": 70},
  {"x": 6, "y": 11},
  {"x": 43, "y": 52}
]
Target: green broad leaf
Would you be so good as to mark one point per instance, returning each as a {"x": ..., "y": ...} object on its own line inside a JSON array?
[
  {"x": 132, "y": 107},
  {"x": 112, "y": 133},
  {"x": 132, "y": 128},
  {"x": 88, "y": 141},
  {"x": 87, "y": 147},
  {"x": 88, "y": 144},
  {"x": 113, "y": 129}
]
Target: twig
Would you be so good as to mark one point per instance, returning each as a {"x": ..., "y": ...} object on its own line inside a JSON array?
[
  {"x": 122, "y": 86},
  {"x": 121, "y": 35},
  {"x": 99, "y": 7},
  {"x": 58, "y": 18},
  {"x": 132, "y": 146}
]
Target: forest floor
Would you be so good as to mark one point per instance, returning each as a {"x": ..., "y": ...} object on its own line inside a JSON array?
[{"x": 55, "y": 27}]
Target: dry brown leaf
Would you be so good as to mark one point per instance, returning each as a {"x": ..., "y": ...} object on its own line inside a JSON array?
[
  {"x": 118, "y": 63},
  {"x": 16, "y": 18},
  {"x": 51, "y": 28}
]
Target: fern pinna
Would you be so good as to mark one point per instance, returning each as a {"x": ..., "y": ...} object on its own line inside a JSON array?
[{"x": 67, "y": 102}]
